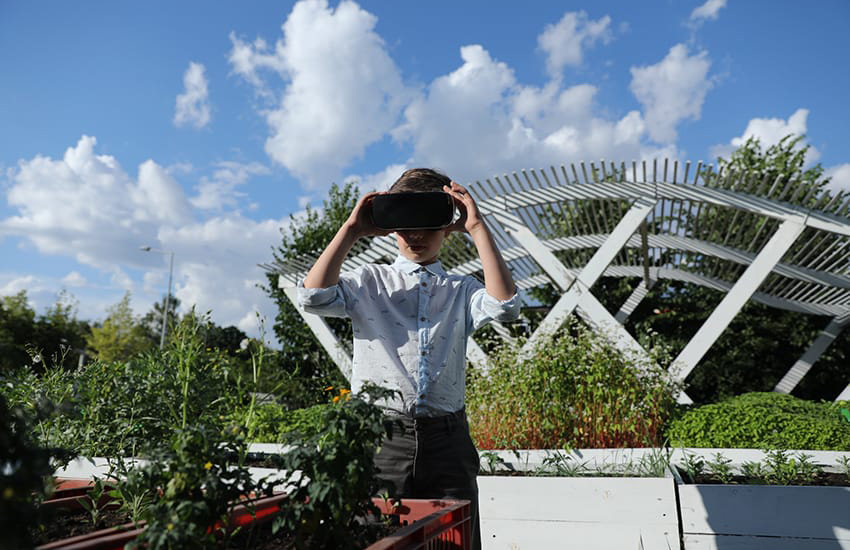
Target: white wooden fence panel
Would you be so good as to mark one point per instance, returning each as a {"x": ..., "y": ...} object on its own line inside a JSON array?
[
  {"x": 550, "y": 512},
  {"x": 730, "y": 542},
  {"x": 767, "y": 511}
]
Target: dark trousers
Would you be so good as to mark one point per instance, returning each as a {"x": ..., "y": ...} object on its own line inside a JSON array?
[{"x": 432, "y": 458}]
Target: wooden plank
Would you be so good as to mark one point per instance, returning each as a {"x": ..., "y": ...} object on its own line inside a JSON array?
[
  {"x": 766, "y": 511},
  {"x": 726, "y": 542},
  {"x": 547, "y": 512}
]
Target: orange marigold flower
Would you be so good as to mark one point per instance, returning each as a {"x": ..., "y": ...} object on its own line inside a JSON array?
[
  {"x": 344, "y": 392},
  {"x": 336, "y": 399},
  {"x": 329, "y": 388}
]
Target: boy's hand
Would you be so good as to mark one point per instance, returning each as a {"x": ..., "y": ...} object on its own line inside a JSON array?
[
  {"x": 360, "y": 220},
  {"x": 470, "y": 217}
]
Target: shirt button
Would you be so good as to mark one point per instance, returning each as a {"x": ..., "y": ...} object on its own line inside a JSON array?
[
  {"x": 421, "y": 396},
  {"x": 424, "y": 284},
  {"x": 424, "y": 352},
  {"x": 422, "y": 319}
]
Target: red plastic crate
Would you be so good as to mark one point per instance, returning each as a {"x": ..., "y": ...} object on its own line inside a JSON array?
[{"x": 432, "y": 525}]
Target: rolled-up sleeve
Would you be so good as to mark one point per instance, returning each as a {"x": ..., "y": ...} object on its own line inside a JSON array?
[
  {"x": 485, "y": 308},
  {"x": 327, "y": 302}
]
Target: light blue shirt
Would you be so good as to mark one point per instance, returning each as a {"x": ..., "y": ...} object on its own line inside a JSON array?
[{"x": 410, "y": 327}]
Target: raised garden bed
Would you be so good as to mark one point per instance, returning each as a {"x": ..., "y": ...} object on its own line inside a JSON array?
[{"x": 419, "y": 523}]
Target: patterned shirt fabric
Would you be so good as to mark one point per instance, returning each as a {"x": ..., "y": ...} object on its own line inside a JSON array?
[{"x": 410, "y": 327}]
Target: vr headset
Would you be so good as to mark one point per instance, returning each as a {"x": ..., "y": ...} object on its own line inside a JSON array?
[{"x": 426, "y": 210}]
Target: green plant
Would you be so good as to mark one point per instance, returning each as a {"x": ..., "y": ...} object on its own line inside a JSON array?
[
  {"x": 194, "y": 484},
  {"x": 719, "y": 466},
  {"x": 762, "y": 420},
  {"x": 693, "y": 466},
  {"x": 573, "y": 390},
  {"x": 843, "y": 462},
  {"x": 654, "y": 463},
  {"x": 95, "y": 501},
  {"x": 25, "y": 472},
  {"x": 753, "y": 472},
  {"x": 130, "y": 491},
  {"x": 329, "y": 511},
  {"x": 781, "y": 468},
  {"x": 561, "y": 464},
  {"x": 493, "y": 461}
]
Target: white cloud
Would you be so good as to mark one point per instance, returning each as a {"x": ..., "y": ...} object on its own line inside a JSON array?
[
  {"x": 769, "y": 131},
  {"x": 219, "y": 191},
  {"x": 17, "y": 284},
  {"x": 193, "y": 106},
  {"x": 478, "y": 121},
  {"x": 709, "y": 10},
  {"x": 840, "y": 177},
  {"x": 342, "y": 90},
  {"x": 85, "y": 206},
  {"x": 74, "y": 279},
  {"x": 672, "y": 90},
  {"x": 564, "y": 41},
  {"x": 380, "y": 181}
]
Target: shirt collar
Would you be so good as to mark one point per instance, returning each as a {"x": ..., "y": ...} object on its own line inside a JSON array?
[{"x": 403, "y": 264}]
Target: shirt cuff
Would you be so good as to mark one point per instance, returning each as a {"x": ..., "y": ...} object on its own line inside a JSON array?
[
  {"x": 501, "y": 310},
  {"x": 315, "y": 296}
]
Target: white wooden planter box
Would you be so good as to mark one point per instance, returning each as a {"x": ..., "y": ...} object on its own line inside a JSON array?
[
  {"x": 733, "y": 517},
  {"x": 528, "y": 513}
]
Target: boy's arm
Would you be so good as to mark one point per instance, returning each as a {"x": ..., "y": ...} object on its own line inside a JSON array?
[
  {"x": 498, "y": 280},
  {"x": 325, "y": 272}
]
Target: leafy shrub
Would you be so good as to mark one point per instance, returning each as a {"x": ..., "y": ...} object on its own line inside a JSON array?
[
  {"x": 25, "y": 470},
  {"x": 763, "y": 420},
  {"x": 328, "y": 512},
  {"x": 272, "y": 423},
  {"x": 575, "y": 390},
  {"x": 195, "y": 483}
]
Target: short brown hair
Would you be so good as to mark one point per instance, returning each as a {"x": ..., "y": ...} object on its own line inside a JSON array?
[{"x": 417, "y": 180}]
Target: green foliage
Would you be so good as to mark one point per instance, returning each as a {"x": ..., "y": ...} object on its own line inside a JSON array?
[
  {"x": 195, "y": 482},
  {"x": 120, "y": 336},
  {"x": 329, "y": 510},
  {"x": 273, "y": 423},
  {"x": 27, "y": 339},
  {"x": 762, "y": 420},
  {"x": 25, "y": 470},
  {"x": 120, "y": 408},
  {"x": 574, "y": 390},
  {"x": 305, "y": 366}
]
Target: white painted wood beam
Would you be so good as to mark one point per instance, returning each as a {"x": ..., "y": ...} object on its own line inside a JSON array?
[
  {"x": 325, "y": 335},
  {"x": 743, "y": 289},
  {"x": 826, "y": 337},
  {"x": 634, "y": 299},
  {"x": 581, "y": 285}
]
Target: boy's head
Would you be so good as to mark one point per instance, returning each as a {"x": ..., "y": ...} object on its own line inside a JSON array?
[
  {"x": 418, "y": 180},
  {"x": 420, "y": 245}
]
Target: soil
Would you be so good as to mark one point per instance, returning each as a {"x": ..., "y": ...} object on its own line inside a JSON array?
[
  {"x": 820, "y": 479},
  {"x": 60, "y": 524}
]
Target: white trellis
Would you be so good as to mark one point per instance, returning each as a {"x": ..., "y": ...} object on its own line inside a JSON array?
[{"x": 793, "y": 258}]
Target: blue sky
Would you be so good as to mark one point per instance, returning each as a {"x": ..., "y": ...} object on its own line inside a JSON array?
[{"x": 199, "y": 127}]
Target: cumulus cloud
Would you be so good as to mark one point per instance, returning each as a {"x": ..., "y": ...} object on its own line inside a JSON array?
[
  {"x": 86, "y": 207},
  {"x": 672, "y": 90},
  {"x": 478, "y": 121},
  {"x": 564, "y": 41},
  {"x": 769, "y": 131},
  {"x": 840, "y": 177},
  {"x": 193, "y": 106},
  {"x": 709, "y": 10},
  {"x": 220, "y": 190},
  {"x": 342, "y": 91},
  {"x": 74, "y": 278}
]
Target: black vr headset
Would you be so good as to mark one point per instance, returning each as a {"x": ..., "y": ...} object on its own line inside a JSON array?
[{"x": 425, "y": 210}]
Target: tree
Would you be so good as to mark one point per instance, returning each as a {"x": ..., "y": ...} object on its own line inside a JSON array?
[
  {"x": 152, "y": 320},
  {"x": 27, "y": 339},
  {"x": 301, "y": 357},
  {"x": 120, "y": 337}
]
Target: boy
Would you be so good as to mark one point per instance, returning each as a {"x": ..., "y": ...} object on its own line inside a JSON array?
[{"x": 411, "y": 321}]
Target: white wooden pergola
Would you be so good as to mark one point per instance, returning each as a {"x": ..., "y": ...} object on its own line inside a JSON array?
[{"x": 570, "y": 225}]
